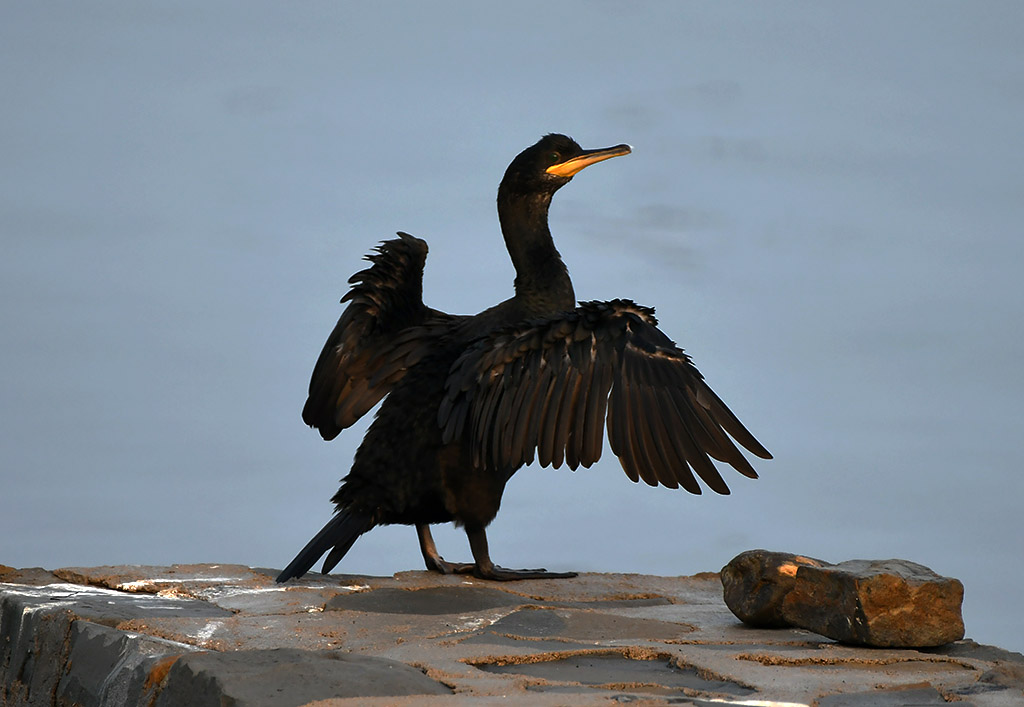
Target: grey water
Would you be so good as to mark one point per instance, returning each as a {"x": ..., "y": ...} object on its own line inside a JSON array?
[{"x": 824, "y": 203}]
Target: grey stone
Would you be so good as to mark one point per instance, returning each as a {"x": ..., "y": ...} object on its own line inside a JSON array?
[
  {"x": 970, "y": 649},
  {"x": 110, "y": 667},
  {"x": 882, "y": 603},
  {"x": 615, "y": 603},
  {"x": 433, "y": 601},
  {"x": 106, "y": 606},
  {"x": 617, "y": 669},
  {"x": 915, "y": 696},
  {"x": 489, "y": 638},
  {"x": 32, "y": 651},
  {"x": 286, "y": 677},
  {"x": 150, "y": 579},
  {"x": 38, "y": 621},
  {"x": 533, "y": 622}
]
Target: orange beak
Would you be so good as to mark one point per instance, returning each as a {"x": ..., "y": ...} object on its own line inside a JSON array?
[{"x": 587, "y": 158}]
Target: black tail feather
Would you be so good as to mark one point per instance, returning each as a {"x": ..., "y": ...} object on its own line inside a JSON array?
[{"x": 337, "y": 536}]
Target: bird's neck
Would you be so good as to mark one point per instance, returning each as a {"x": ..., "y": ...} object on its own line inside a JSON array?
[{"x": 542, "y": 280}]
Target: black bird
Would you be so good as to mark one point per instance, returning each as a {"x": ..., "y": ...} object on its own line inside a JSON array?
[{"x": 471, "y": 399}]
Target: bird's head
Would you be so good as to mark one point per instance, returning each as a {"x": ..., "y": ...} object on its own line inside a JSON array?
[{"x": 549, "y": 164}]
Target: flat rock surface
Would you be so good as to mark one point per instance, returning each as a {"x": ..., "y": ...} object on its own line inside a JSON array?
[{"x": 227, "y": 634}]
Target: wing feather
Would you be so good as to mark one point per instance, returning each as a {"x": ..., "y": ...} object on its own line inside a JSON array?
[
  {"x": 520, "y": 421},
  {"x": 548, "y": 387},
  {"x": 677, "y": 447},
  {"x": 548, "y": 422},
  {"x": 669, "y": 469},
  {"x": 384, "y": 330},
  {"x": 505, "y": 415},
  {"x": 481, "y": 422},
  {"x": 575, "y": 448},
  {"x": 547, "y": 380},
  {"x": 637, "y": 429},
  {"x": 597, "y": 404},
  {"x": 618, "y": 431}
]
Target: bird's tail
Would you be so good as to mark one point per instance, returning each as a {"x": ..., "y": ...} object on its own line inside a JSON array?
[{"x": 337, "y": 536}]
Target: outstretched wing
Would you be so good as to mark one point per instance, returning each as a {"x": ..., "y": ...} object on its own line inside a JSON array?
[
  {"x": 384, "y": 330},
  {"x": 545, "y": 387}
]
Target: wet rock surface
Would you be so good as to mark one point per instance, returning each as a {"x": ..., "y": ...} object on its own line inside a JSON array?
[
  {"x": 227, "y": 634},
  {"x": 882, "y": 603}
]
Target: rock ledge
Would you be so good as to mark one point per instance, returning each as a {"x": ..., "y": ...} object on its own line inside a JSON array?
[{"x": 227, "y": 634}]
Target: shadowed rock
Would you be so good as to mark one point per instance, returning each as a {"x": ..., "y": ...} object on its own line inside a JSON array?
[
  {"x": 286, "y": 676},
  {"x": 430, "y": 601},
  {"x": 884, "y": 603},
  {"x": 654, "y": 674}
]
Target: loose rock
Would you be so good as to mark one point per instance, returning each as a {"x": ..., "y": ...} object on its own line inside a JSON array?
[{"x": 883, "y": 603}]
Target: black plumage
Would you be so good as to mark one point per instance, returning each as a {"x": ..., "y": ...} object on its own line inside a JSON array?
[{"x": 468, "y": 400}]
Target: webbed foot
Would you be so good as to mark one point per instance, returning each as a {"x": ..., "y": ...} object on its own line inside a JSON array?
[
  {"x": 485, "y": 569},
  {"x": 502, "y": 574}
]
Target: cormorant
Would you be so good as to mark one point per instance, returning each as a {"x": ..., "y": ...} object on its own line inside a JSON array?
[{"x": 468, "y": 400}]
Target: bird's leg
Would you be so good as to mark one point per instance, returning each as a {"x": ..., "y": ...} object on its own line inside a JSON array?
[
  {"x": 434, "y": 561},
  {"x": 485, "y": 569}
]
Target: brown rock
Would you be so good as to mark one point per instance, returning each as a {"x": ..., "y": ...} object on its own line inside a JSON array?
[
  {"x": 884, "y": 603},
  {"x": 756, "y": 582},
  {"x": 33, "y": 576}
]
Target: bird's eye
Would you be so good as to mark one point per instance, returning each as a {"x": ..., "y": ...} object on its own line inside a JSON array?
[{"x": 555, "y": 157}]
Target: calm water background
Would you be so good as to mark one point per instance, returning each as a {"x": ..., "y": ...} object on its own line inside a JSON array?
[{"x": 824, "y": 202}]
